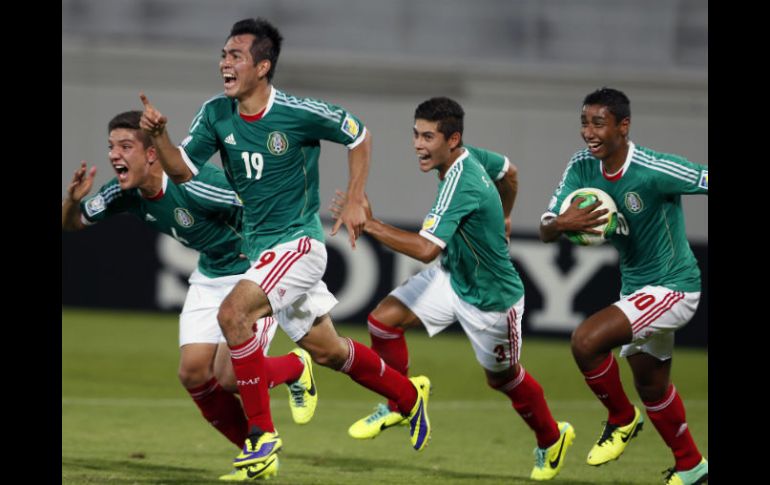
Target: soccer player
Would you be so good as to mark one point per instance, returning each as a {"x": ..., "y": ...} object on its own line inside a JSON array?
[
  {"x": 475, "y": 284},
  {"x": 660, "y": 278},
  {"x": 203, "y": 214},
  {"x": 269, "y": 143}
]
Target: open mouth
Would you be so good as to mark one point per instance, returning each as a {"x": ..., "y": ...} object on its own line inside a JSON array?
[
  {"x": 121, "y": 170},
  {"x": 229, "y": 79},
  {"x": 594, "y": 146}
]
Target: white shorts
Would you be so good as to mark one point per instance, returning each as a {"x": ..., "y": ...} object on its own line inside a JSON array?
[
  {"x": 655, "y": 312},
  {"x": 495, "y": 336},
  {"x": 198, "y": 320},
  {"x": 290, "y": 275}
]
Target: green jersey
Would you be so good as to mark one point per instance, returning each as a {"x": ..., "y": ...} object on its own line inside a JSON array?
[
  {"x": 272, "y": 161},
  {"x": 466, "y": 221},
  {"x": 495, "y": 164},
  {"x": 203, "y": 214},
  {"x": 651, "y": 236}
]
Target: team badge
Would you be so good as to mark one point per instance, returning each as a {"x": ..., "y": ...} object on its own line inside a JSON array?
[
  {"x": 350, "y": 127},
  {"x": 95, "y": 205},
  {"x": 183, "y": 217},
  {"x": 430, "y": 222},
  {"x": 704, "y": 180},
  {"x": 277, "y": 143},
  {"x": 634, "y": 202}
]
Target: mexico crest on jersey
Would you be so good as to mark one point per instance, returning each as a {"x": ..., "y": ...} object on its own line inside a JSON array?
[
  {"x": 430, "y": 222},
  {"x": 350, "y": 127},
  {"x": 634, "y": 202},
  {"x": 95, "y": 205},
  {"x": 183, "y": 217},
  {"x": 277, "y": 143}
]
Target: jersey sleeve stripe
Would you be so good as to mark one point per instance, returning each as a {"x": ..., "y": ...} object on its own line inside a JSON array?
[
  {"x": 668, "y": 163},
  {"x": 199, "y": 115},
  {"x": 111, "y": 193},
  {"x": 212, "y": 188},
  {"x": 187, "y": 160},
  {"x": 667, "y": 171},
  {"x": 448, "y": 190},
  {"x": 208, "y": 195},
  {"x": 322, "y": 113},
  {"x": 311, "y": 102},
  {"x": 430, "y": 237}
]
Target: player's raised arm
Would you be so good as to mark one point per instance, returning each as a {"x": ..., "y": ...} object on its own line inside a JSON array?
[
  {"x": 153, "y": 123},
  {"x": 81, "y": 184}
]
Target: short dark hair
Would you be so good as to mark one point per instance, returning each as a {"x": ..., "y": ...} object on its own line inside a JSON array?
[
  {"x": 129, "y": 120},
  {"x": 616, "y": 102},
  {"x": 447, "y": 112},
  {"x": 266, "y": 45}
]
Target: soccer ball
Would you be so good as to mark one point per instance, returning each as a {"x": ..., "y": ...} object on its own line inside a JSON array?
[{"x": 591, "y": 195}]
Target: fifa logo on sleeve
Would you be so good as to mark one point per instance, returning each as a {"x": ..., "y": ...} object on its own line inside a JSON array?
[
  {"x": 430, "y": 222},
  {"x": 350, "y": 127},
  {"x": 95, "y": 205},
  {"x": 704, "y": 180}
]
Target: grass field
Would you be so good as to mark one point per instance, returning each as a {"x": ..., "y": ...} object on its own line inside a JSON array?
[{"x": 127, "y": 420}]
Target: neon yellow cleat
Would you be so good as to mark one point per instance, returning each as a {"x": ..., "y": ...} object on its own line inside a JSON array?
[
  {"x": 259, "y": 447},
  {"x": 419, "y": 424},
  {"x": 614, "y": 440},
  {"x": 303, "y": 395},
  {"x": 260, "y": 471},
  {"x": 549, "y": 461},
  {"x": 371, "y": 426},
  {"x": 694, "y": 476}
]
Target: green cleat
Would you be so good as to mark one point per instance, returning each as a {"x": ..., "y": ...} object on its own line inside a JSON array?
[
  {"x": 303, "y": 395},
  {"x": 371, "y": 426},
  {"x": 614, "y": 440},
  {"x": 549, "y": 461},
  {"x": 260, "y": 471},
  {"x": 694, "y": 476},
  {"x": 419, "y": 424}
]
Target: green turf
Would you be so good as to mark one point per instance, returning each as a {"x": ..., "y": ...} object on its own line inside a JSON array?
[{"x": 126, "y": 419}]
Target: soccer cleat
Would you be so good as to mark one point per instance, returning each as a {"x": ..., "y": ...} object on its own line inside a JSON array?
[
  {"x": 549, "y": 461},
  {"x": 614, "y": 440},
  {"x": 303, "y": 395},
  {"x": 259, "y": 447},
  {"x": 694, "y": 476},
  {"x": 260, "y": 471},
  {"x": 419, "y": 424},
  {"x": 371, "y": 426}
]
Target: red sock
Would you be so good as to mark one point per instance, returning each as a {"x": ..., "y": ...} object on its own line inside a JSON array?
[
  {"x": 286, "y": 368},
  {"x": 222, "y": 409},
  {"x": 390, "y": 344},
  {"x": 605, "y": 382},
  {"x": 367, "y": 368},
  {"x": 669, "y": 419},
  {"x": 529, "y": 401},
  {"x": 249, "y": 366}
]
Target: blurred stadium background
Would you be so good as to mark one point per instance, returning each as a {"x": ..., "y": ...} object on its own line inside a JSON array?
[{"x": 520, "y": 68}]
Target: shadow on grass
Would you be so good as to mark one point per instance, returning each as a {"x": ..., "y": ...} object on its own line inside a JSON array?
[
  {"x": 358, "y": 464},
  {"x": 94, "y": 470}
]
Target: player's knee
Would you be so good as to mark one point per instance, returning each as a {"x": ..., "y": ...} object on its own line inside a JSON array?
[
  {"x": 583, "y": 343},
  {"x": 191, "y": 377},
  {"x": 332, "y": 356},
  {"x": 229, "y": 316},
  {"x": 651, "y": 390}
]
